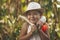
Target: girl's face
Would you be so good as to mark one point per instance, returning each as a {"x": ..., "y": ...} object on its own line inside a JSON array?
[{"x": 33, "y": 16}]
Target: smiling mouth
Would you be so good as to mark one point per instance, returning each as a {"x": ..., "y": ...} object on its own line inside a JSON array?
[{"x": 32, "y": 19}]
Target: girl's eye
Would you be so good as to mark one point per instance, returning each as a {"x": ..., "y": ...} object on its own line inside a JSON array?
[
  {"x": 35, "y": 14},
  {"x": 29, "y": 14}
]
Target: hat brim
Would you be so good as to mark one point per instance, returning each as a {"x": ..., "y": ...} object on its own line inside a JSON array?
[{"x": 39, "y": 10}]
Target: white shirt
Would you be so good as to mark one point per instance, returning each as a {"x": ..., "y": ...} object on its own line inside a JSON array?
[{"x": 35, "y": 36}]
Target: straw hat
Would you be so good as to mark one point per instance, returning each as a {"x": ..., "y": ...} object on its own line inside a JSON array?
[{"x": 34, "y": 6}]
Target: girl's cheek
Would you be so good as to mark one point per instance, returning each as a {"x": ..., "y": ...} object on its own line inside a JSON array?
[
  {"x": 37, "y": 17},
  {"x": 28, "y": 17}
]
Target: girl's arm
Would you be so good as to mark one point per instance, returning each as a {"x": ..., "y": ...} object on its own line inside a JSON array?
[
  {"x": 44, "y": 34},
  {"x": 23, "y": 33}
]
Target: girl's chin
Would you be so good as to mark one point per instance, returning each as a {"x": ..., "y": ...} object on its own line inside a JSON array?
[{"x": 33, "y": 22}]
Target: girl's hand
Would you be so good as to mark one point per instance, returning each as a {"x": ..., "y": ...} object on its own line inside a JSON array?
[
  {"x": 40, "y": 23},
  {"x": 34, "y": 28}
]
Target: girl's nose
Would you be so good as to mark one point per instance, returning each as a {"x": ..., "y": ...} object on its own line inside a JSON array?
[{"x": 32, "y": 16}]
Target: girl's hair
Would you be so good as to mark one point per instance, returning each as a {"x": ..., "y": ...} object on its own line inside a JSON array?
[{"x": 40, "y": 12}]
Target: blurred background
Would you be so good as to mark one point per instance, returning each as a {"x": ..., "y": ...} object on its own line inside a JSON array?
[{"x": 10, "y": 25}]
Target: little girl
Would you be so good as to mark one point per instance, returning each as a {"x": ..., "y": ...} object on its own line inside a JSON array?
[{"x": 27, "y": 32}]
